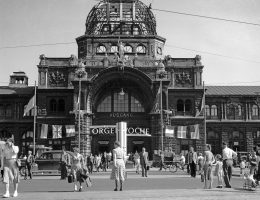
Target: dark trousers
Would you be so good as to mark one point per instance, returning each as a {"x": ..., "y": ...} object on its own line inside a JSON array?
[
  {"x": 64, "y": 170},
  {"x": 144, "y": 170},
  {"x": 29, "y": 170},
  {"x": 90, "y": 167},
  {"x": 227, "y": 168},
  {"x": 161, "y": 165},
  {"x": 192, "y": 167}
]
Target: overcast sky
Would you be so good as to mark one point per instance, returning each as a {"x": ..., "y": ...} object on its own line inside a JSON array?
[{"x": 29, "y": 22}]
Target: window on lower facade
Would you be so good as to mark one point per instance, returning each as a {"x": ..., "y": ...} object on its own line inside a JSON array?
[
  {"x": 207, "y": 110},
  {"x": 180, "y": 105},
  {"x": 254, "y": 110},
  {"x": 188, "y": 105},
  {"x": 8, "y": 111},
  {"x": 214, "y": 111},
  {"x": 53, "y": 105}
]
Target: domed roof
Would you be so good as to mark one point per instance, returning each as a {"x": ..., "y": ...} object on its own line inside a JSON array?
[{"x": 120, "y": 17}]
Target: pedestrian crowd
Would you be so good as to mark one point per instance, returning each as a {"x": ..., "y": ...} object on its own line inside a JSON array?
[{"x": 76, "y": 168}]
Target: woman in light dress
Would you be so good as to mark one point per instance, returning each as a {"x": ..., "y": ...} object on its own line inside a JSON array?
[
  {"x": 137, "y": 162},
  {"x": 77, "y": 169},
  {"x": 118, "y": 170},
  {"x": 11, "y": 169},
  {"x": 208, "y": 162}
]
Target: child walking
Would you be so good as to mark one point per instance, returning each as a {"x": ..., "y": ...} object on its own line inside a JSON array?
[
  {"x": 242, "y": 167},
  {"x": 219, "y": 170}
]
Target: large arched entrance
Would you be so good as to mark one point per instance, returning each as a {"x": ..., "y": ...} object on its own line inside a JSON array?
[{"x": 121, "y": 95}]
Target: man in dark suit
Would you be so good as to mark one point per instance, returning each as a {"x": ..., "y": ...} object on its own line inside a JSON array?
[
  {"x": 192, "y": 160},
  {"x": 144, "y": 162}
]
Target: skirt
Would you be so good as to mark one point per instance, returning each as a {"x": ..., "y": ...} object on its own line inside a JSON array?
[
  {"x": 11, "y": 171},
  {"x": 118, "y": 172}
]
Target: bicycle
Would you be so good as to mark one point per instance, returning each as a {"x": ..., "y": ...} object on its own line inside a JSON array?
[{"x": 174, "y": 166}]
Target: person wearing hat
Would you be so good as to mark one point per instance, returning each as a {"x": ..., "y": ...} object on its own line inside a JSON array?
[
  {"x": 28, "y": 163},
  {"x": 228, "y": 156},
  {"x": 77, "y": 168},
  {"x": 11, "y": 169},
  {"x": 118, "y": 170}
]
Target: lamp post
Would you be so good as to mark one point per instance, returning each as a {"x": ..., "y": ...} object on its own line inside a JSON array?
[
  {"x": 161, "y": 74},
  {"x": 80, "y": 73}
]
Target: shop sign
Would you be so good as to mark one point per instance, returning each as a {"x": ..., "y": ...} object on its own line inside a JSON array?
[
  {"x": 111, "y": 130},
  {"x": 121, "y": 115}
]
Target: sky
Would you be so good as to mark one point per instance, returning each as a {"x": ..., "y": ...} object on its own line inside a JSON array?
[{"x": 230, "y": 51}]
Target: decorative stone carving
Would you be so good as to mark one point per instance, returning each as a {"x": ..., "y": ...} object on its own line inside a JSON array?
[
  {"x": 73, "y": 60},
  {"x": 42, "y": 59},
  {"x": 198, "y": 59},
  {"x": 183, "y": 78},
  {"x": 56, "y": 78}
]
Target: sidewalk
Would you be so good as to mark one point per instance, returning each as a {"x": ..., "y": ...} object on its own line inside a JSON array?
[{"x": 176, "y": 194}]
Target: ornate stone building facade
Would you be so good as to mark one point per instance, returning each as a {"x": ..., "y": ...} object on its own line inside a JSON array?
[{"x": 121, "y": 74}]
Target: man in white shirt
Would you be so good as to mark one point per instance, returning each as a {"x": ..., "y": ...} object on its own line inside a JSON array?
[{"x": 228, "y": 156}]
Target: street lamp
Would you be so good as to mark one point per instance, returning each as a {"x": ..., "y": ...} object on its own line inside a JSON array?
[
  {"x": 80, "y": 73},
  {"x": 161, "y": 74}
]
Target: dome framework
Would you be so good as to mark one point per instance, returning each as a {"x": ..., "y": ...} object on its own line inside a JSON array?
[{"x": 121, "y": 17}]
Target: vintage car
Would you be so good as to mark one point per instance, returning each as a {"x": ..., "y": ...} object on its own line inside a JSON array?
[{"x": 47, "y": 162}]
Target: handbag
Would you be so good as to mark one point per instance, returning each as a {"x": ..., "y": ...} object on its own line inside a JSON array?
[
  {"x": 19, "y": 163},
  {"x": 147, "y": 168},
  {"x": 70, "y": 178},
  {"x": 88, "y": 182}
]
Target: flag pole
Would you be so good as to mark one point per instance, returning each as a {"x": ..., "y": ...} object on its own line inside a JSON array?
[
  {"x": 34, "y": 118},
  {"x": 161, "y": 113},
  {"x": 204, "y": 102},
  {"x": 79, "y": 100}
]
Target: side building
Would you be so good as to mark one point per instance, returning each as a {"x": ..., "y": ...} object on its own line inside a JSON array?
[{"x": 13, "y": 99}]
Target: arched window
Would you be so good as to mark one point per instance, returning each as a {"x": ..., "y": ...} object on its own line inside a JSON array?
[
  {"x": 141, "y": 49},
  {"x": 61, "y": 105},
  {"x": 188, "y": 105},
  {"x": 239, "y": 110},
  {"x": 207, "y": 110},
  {"x": 8, "y": 110},
  {"x": 101, "y": 49},
  {"x": 53, "y": 105},
  {"x": 136, "y": 106},
  {"x": 121, "y": 102},
  {"x": 105, "y": 105},
  {"x": 254, "y": 110},
  {"x": 214, "y": 110},
  {"x": 114, "y": 49},
  {"x": 128, "y": 49},
  {"x": 180, "y": 106}
]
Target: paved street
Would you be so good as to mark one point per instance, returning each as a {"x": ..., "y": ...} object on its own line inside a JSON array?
[{"x": 159, "y": 185}]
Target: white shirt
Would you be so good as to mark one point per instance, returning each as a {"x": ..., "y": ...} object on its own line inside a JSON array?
[
  {"x": 228, "y": 153},
  {"x": 182, "y": 159}
]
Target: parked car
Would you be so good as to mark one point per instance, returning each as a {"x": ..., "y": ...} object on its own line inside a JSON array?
[{"x": 48, "y": 161}]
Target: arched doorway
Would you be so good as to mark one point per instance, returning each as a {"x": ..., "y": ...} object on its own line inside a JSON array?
[{"x": 121, "y": 96}]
